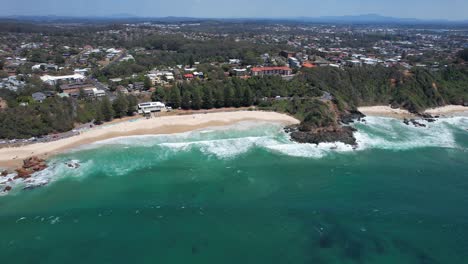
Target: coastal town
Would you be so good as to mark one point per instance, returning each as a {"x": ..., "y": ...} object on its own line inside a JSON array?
[{"x": 64, "y": 79}]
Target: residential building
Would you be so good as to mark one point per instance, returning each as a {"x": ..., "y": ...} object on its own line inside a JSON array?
[
  {"x": 287, "y": 54},
  {"x": 39, "y": 97},
  {"x": 240, "y": 72},
  {"x": 261, "y": 71},
  {"x": 149, "y": 107},
  {"x": 53, "y": 80},
  {"x": 74, "y": 89}
]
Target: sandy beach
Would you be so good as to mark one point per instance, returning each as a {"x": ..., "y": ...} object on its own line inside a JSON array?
[
  {"x": 448, "y": 110},
  {"x": 387, "y": 111},
  {"x": 11, "y": 158}
]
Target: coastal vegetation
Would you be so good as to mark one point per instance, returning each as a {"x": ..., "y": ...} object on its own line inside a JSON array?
[
  {"x": 303, "y": 97},
  {"x": 56, "y": 115}
]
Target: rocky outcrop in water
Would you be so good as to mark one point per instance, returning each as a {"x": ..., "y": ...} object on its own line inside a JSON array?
[
  {"x": 351, "y": 116},
  {"x": 30, "y": 166},
  {"x": 413, "y": 122},
  {"x": 324, "y": 135}
]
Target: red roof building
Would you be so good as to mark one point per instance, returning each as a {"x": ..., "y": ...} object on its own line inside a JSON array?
[
  {"x": 308, "y": 65},
  {"x": 188, "y": 76}
]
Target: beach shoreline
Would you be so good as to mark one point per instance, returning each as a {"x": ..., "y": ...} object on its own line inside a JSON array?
[
  {"x": 12, "y": 157},
  {"x": 387, "y": 111}
]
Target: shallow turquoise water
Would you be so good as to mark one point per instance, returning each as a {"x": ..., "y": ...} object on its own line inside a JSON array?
[{"x": 245, "y": 194}]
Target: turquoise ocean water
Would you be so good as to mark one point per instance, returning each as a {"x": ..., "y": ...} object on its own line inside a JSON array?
[{"x": 246, "y": 194}]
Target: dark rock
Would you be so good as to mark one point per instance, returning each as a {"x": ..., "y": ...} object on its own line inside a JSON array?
[
  {"x": 406, "y": 121},
  {"x": 351, "y": 116},
  {"x": 23, "y": 173},
  {"x": 424, "y": 115},
  {"x": 33, "y": 162},
  {"x": 428, "y": 117},
  {"x": 7, "y": 189},
  {"x": 416, "y": 123},
  {"x": 4, "y": 173},
  {"x": 290, "y": 129},
  {"x": 30, "y": 165},
  {"x": 330, "y": 135}
]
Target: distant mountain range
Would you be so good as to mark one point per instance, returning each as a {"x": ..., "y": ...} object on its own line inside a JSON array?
[
  {"x": 374, "y": 18},
  {"x": 358, "y": 19}
]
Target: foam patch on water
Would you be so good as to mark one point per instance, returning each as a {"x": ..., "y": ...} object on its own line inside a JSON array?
[
  {"x": 57, "y": 169},
  {"x": 310, "y": 150},
  {"x": 223, "y": 148},
  {"x": 388, "y": 133}
]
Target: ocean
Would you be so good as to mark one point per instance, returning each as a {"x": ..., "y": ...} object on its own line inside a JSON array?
[{"x": 246, "y": 194}]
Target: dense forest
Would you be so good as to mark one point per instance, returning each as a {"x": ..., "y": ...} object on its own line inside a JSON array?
[{"x": 56, "y": 115}]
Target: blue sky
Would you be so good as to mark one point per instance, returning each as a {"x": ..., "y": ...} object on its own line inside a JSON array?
[{"x": 425, "y": 9}]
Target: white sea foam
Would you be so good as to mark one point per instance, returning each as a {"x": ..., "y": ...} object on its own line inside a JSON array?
[
  {"x": 388, "y": 133},
  {"x": 234, "y": 140},
  {"x": 223, "y": 148},
  {"x": 311, "y": 150}
]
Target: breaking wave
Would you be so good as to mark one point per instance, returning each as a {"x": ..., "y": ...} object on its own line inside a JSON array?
[{"x": 231, "y": 141}]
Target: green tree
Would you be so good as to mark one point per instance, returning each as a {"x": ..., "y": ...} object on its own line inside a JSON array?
[
  {"x": 174, "y": 97},
  {"x": 99, "y": 116},
  {"x": 82, "y": 94},
  {"x": 120, "y": 106},
  {"x": 186, "y": 100},
  {"x": 247, "y": 99},
  {"x": 218, "y": 97},
  {"x": 59, "y": 59},
  {"x": 132, "y": 105},
  {"x": 159, "y": 95},
  {"x": 196, "y": 98},
  {"x": 106, "y": 109},
  {"x": 238, "y": 94},
  {"x": 207, "y": 98},
  {"x": 147, "y": 83},
  {"x": 228, "y": 95},
  {"x": 191, "y": 62}
]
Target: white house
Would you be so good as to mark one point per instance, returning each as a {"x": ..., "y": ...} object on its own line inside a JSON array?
[
  {"x": 234, "y": 61},
  {"x": 52, "y": 80},
  {"x": 99, "y": 93},
  {"x": 146, "y": 108},
  {"x": 81, "y": 71}
]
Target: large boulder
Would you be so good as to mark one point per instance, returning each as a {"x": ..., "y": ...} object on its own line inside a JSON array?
[
  {"x": 23, "y": 173},
  {"x": 32, "y": 162},
  {"x": 350, "y": 116},
  {"x": 329, "y": 135}
]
